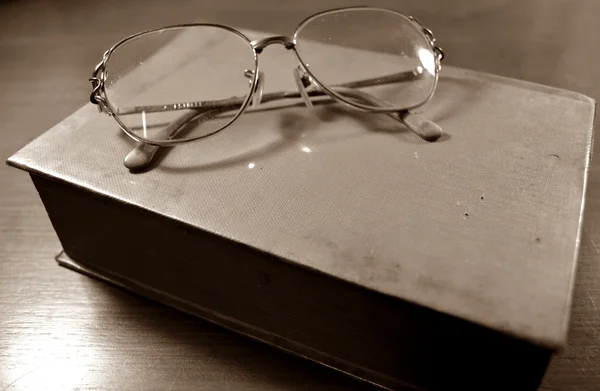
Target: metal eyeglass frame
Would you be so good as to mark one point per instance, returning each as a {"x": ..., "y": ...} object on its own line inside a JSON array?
[{"x": 142, "y": 155}]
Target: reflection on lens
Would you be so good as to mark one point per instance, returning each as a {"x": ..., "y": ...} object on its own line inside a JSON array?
[
  {"x": 428, "y": 60},
  {"x": 372, "y": 58},
  {"x": 180, "y": 82}
]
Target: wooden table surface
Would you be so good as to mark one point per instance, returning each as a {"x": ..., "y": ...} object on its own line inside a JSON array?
[{"x": 61, "y": 330}]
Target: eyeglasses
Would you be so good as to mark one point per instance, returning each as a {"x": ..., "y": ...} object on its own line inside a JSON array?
[{"x": 185, "y": 82}]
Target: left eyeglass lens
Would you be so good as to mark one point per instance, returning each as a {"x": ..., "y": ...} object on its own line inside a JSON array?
[
  {"x": 158, "y": 81},
  {"x": 373, "y": 58}
]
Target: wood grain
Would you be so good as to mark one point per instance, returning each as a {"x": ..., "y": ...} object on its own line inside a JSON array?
[{"x": 61, "y": 330}]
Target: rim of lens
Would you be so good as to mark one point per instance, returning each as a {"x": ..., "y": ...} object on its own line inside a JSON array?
[
  {"x": 340, "y": 97},
  {"x": 166, "y": 143}
]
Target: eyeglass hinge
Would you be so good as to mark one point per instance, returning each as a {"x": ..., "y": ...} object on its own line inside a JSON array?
[{"x": 96, "y": 84}]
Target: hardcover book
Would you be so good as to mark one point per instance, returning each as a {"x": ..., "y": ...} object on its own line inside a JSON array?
[{"x": 342, "y": 237}]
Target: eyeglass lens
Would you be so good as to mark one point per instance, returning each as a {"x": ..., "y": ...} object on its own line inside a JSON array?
[
  {"x": 153, "y": 79},
  {"x": 384, "y": 47}
]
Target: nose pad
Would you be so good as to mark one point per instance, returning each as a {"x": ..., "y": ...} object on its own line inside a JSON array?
[
  {"x": 303, "y": 81},
  {"x": 257, "y": 94}
]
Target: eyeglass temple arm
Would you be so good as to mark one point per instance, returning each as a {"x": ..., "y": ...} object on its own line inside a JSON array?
[
  {"x": 141, "y": 156},
  {"x": 424, "y": 128},
  {"x": 269, "y": 97}
]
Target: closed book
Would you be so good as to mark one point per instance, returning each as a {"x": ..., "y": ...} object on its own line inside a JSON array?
[{"x": 342, "y": 237}]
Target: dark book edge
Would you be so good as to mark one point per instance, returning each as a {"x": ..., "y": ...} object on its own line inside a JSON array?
[
  {"x": 414, "y": 344},
  {"x": 247, "y": 330}
]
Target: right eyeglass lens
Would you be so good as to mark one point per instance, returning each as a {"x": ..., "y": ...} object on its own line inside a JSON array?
[
  {"x": 179, "y": 83},
  {"x": 382, "y": 57}
]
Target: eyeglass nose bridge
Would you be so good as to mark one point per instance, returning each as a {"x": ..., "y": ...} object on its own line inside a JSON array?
[{"x": 259, "y": 44}]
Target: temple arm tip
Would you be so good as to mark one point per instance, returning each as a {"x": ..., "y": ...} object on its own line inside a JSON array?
[
  {"x": 433, "y": 134},
  {"x": 140, "y": 157},
  {"x": 426, "y": 129}
]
